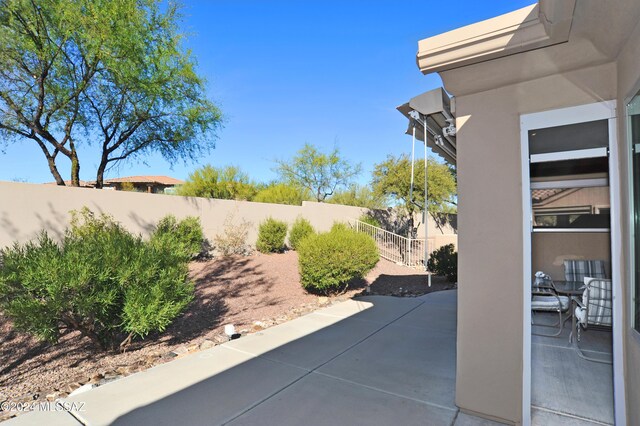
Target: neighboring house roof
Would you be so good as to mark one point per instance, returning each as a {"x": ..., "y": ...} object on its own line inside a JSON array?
[
  {"x": 163, "y": 180},
  {"x": 539, "y": 195}
]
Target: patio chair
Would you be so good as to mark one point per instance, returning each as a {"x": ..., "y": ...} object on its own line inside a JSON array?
[
  {"x": 577, "y": 270},
  {"x": 594, "y": 310},
  {"x": 545, "y": 298}
]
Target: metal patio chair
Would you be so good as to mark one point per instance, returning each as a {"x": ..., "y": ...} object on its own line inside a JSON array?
[
  {"x": 594, "y": 310},
  {"x": 545, "y": 298}
]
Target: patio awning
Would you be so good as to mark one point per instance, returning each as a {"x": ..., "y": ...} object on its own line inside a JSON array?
[{"x": 431, "y": 111}]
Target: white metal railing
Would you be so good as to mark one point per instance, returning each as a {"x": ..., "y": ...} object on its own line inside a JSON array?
[{"x": 394, "y": 247}]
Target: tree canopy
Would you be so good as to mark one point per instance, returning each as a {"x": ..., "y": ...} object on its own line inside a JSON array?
[
  {"x": 228, "y": 183},
  {"x": 282, "y": 193},
  {"x": 392, "y": 178},
  {"x": 320, "y": 173},
  {"x": 106, "y": 73},
  {"x": 359, "y": 196}
]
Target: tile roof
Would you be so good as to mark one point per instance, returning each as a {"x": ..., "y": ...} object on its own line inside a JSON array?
[{"x": 163, "y": 180}]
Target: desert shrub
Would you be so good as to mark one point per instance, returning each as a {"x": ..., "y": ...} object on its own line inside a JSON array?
[
  {"x": 233, "y": 239},
  {"x": 444, "y": 262},
  {"x": 186, "y": 234},
  {"x": 340, "y": 226},
  {"x": 271, "y": 236},
  {"x": 102, "y": 281},
  {"x": 370, "y": 220},
  {"x": 328, "y": 262},
  {"x": 300, "y": 229}
]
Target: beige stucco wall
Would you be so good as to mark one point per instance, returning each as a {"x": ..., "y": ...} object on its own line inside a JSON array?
[
  {"x": 628, "y": 74},
  {"x": 489, "y": 359},
  {"x": 550, "y": 249},
  {"x": 28, "y": 208}
]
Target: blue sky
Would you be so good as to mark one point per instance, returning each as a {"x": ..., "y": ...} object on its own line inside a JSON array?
[{"x": 289, "y": 72}]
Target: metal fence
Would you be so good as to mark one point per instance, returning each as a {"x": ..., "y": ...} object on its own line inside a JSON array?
[{"x": 394, "y": 247}]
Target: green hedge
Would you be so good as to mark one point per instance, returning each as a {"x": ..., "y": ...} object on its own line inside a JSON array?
[
  {"x": 271, "y": 236},
  {"x": 102, "y": 281},
  {"x": 186, "y": 234},
  {"x": 328, "y": 262},
  {"x": 300, "y": 229},
  {"x": 444, "y": 262}
]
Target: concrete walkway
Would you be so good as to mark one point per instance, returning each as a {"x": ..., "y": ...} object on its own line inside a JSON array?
[{"x": 374, "y": 361}]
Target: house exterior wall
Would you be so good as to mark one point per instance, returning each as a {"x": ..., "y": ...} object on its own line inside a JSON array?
[
  {"x": 628, "y": 76},
  {"x": 490, "y": 358}
]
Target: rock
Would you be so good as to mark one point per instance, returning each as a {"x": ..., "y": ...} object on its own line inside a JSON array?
[
  {"x": 95, "y": 378},
  {"x": 192, "y": 347},
  {"x": 220, "y": 338},
  {"x": 259, "y": 324},
  {"x": 323, "y": 300},
  {"x": 206, "y": 344},
  {"x": 83, "y": 389},
  {"x": 52, "y": 396},
  {"x": 123, "y": 370},
  {"x": 110, "y": 375},
  {"x": 71, "y": 387},
  {"x": 181, "y": 350}
]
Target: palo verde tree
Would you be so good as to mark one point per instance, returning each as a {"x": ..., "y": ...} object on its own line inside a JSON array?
[
  {"x": 229, "y": 183},
  {"x": 320, "y": 173},
  {"x": 105, "y": 73},
  {"x": 392, "y": 178}
]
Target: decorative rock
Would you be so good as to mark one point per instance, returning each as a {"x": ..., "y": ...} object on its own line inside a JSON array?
[
  {"x": 180, "y": 351},
  {"x": 83, "y": 388},
  {"x": 323, "y": 300},
  {"x": 95, "y": 378},
  {"x": 192, "y": 347},
  {"x": 206, "y": 344}
]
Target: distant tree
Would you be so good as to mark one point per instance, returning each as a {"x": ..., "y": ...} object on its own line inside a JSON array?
[
  {"x": 105, "y": 73},
  {"x": 392, "y": 178},
  {"x": 228, "y": 183},
  {"x": 320, "y": 173},
  {"x": 282, "y": 193},
  {"x": 359, "y": 196}
]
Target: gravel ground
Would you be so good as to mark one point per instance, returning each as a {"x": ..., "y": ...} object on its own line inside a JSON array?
[{"x": 252, "y": 292}]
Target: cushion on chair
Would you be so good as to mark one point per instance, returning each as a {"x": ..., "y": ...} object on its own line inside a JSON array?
[
  {"x": 597, "y": 297},
  {"x": 549, "y": 303},
  {"x": 577, "y": 270}
]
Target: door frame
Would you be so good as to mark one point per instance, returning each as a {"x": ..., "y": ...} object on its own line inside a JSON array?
[{"x": 573, "y": 115}]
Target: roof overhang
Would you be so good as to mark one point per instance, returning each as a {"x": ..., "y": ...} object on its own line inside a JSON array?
[
  {"x": 539, "y": 25},
  {"x": 431, "y": 118}
]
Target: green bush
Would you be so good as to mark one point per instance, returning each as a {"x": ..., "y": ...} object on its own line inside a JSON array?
[
  {"x": 300, "y": 229},
  {"x": 186, "y": 234},
  {"x": 328, "y": 262},
  {"x": 444, "y": 262},
  {"x": 271, "y": 236},
  {"x": 100, "y": 280},
  {"x": 370, "y": 220}
]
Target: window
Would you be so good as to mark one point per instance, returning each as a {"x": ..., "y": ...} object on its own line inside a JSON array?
[
  {"x": 633, "y": 110},
  {"x": 573, "y": 208}
]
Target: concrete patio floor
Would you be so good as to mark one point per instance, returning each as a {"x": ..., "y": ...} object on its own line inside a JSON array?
[
  {"x": 566, "y": 389},
  {"x": 371, "y": 361}
]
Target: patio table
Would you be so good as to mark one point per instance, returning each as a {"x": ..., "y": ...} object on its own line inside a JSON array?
[{"x": 570, "y": 289}]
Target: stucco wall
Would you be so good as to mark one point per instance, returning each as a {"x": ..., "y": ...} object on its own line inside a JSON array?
[
  {"x": 489, "y": 360},
  {"x": 628, "y": 73},
  {"x": 550, "y": 249},
  {"x": 26, "y": 209}
]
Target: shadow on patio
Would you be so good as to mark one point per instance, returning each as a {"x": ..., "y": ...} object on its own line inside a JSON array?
[
  {"x": 567, "y": 389},
  {"x": 373, "y": 361}
]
